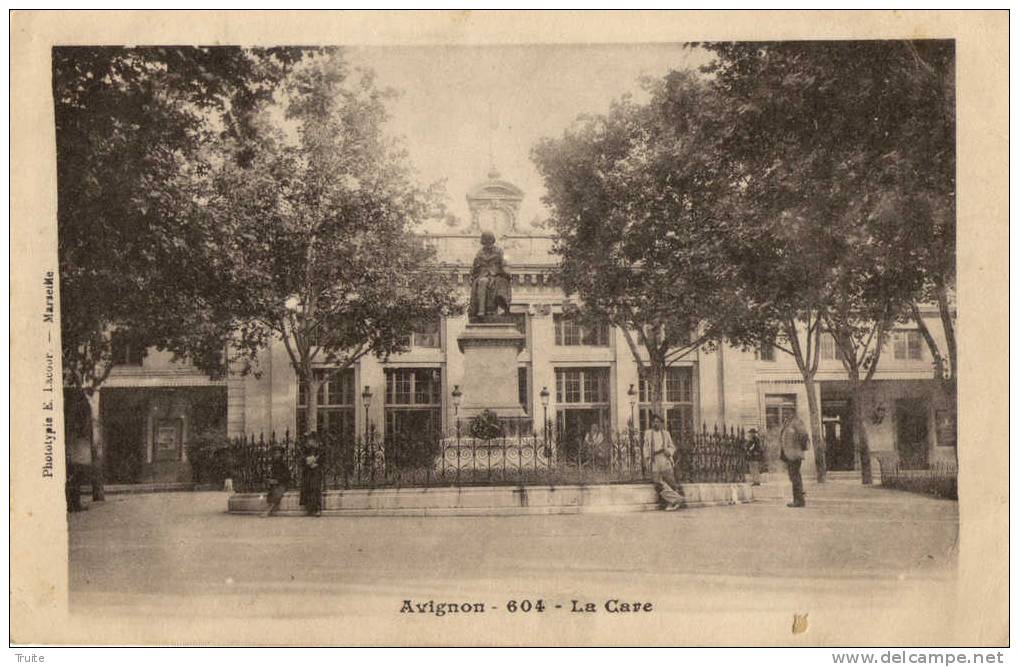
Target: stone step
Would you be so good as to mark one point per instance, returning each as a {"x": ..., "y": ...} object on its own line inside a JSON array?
[{"x": 495, "y": 500}]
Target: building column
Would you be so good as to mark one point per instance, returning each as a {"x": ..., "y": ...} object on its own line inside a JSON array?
[
  {"x": 453, "y": 370},
  {"x": 282, "y": 403},
  {"x": 542, "y": 369}
]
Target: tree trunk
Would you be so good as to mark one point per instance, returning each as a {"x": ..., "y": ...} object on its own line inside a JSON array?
[
  {"x": 96, "y": 446},
  {"x": 656, "y": 382},
  {"x": 860, "y": 443},
  {"x": 820, "y": 460},
  {"x": 311, "y": 410},
  {"x": 944, "y": 309}
]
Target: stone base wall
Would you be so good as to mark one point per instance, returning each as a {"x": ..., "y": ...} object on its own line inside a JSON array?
[{"x": 495, "y": 500}]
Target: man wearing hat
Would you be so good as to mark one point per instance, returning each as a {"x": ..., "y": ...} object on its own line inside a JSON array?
[
  {"x": 794, "y": 440},
  {"x": 311, "y": 476},
  {"x": 658, "y": 448}
]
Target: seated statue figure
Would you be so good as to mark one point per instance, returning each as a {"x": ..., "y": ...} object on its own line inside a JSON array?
[{"x": 490, "y": 282}]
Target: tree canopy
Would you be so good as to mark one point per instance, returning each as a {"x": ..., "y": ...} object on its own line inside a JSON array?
[
  {"x": 315, "y": 231},
  {"x": 632, "y": 195}
]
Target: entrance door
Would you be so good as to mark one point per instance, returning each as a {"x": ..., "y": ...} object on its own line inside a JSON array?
[
  {"x": 911, "y": 432},
  {"x": 125, "y": 441},
  {"x": 837, "y": 429}
]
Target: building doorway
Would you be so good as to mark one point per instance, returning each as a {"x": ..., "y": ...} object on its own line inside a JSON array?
[
  {"x": 123, "y": 419},
  {"x": 837, "y": 431},
  {"x": 911, "y": 432}
]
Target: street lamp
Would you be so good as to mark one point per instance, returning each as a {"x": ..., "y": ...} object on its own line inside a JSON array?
[
  {"x": 366, "y": 400},
  {"x": 632, "y": 395},
  {"x": 544, "y": 409},
  {"x": 458, "y": 397}
]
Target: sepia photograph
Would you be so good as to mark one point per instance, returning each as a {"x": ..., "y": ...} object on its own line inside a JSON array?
[{"x": 630, "y": 342}]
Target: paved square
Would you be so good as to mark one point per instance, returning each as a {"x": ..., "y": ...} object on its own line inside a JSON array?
[{"x": 871, "y": 554}]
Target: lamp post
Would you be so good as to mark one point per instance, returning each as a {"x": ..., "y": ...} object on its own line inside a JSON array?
[
  {"x": 544, "y": 410},
  {"x": 458, "y": 397},
  {"x": 366, "y": 400},
  {"x": 631, "y": 393}
]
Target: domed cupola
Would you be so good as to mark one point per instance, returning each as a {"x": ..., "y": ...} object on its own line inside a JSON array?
[{"x": 494, "y": 205}]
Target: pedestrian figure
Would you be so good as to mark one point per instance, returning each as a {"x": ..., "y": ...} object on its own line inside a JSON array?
[
  {"x": 311, "y": 477},
  {"x": 793, "y": 440},
  {"x": 79, "y": 471},
  {"x": 659, "y": 449},
  {"x": 279, "y": 480},
  {"x": 597, "y": 446},
  {"x": 755, "y": 455}
]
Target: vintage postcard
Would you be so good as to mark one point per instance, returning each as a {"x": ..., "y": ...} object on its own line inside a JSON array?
[{"x": 509, "y": 328}]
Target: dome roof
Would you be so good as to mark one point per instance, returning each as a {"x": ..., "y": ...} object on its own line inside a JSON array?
[{"x": 494, "y": 188}]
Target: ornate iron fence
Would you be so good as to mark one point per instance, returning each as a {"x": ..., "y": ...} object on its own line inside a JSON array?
[{"x": 457, "y": 460}]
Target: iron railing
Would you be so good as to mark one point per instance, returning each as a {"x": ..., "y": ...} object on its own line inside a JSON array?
[{"x": 459, "y": 460}]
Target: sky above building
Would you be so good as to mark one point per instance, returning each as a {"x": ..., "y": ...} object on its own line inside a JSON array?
[{"x": 466, "y": 109}]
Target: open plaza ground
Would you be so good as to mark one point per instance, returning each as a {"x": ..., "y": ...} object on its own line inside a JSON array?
[{"x": 869, "y": 558}]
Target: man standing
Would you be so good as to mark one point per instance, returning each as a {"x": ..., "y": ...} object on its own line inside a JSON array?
[
  {"x": 793, "y": 440},
  {"x": 311, "y": 477},
  {"x": 659, "y": 449},
  {"x": 755, "y": 456}
]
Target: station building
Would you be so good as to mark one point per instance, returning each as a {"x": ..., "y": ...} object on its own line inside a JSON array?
[{"x": 153, "y": 408}]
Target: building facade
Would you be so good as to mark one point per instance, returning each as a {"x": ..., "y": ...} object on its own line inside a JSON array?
[{"x": 154, "y": 408}]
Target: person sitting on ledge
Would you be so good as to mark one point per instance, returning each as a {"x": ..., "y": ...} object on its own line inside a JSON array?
[{"x": 659, "y": 449}]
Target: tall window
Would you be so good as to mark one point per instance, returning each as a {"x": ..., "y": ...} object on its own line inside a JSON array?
[
  {"x": 568, "y": 332},
  {"x": 582, "y": 398},
  {"x": 677, "y": 402},
  {"x": 413, "y": 401},
  {"x": 828, "y": 350},
  {"x": 777, "y": 408},
  {"x": 907, "y": 344},
  {"x": 336, "y": 404},
  {"x": 766, "y": 352}
]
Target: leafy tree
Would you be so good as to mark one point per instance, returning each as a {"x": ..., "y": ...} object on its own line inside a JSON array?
[
  {"x": 632, "y": 195},
  {"x": 131, "y": 124},
  {"x": 315, "y": 244},
  {"x": 851, "y": 144}
]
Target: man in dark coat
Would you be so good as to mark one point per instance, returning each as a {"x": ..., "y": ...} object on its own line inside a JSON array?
[
  {"x": 279, "y": 480},
  {"x": 755, "y": 456},
  {"x": 311, "y": 476},
  {"x": 794, "y": 440}
]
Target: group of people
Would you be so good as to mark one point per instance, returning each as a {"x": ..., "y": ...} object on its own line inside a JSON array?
[
  {"x": 793, "y": 443},
  {"x": 311, "y": 478}
]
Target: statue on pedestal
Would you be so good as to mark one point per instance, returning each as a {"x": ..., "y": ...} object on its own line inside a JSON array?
[{"x": 490, "y": 282}]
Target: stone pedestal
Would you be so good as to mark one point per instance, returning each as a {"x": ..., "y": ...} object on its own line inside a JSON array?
[{"x": 490, "y": 369}]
